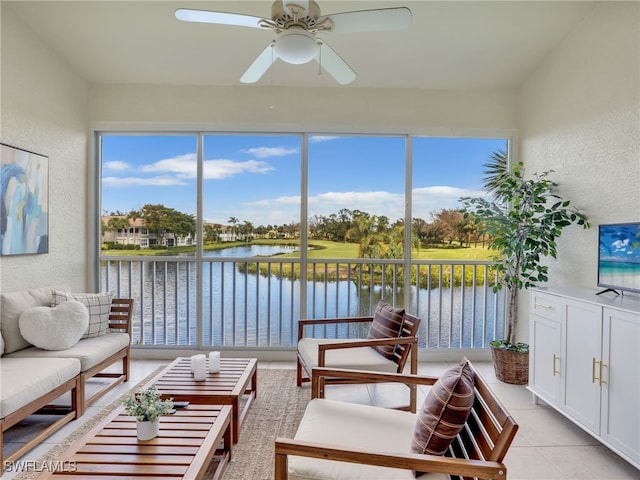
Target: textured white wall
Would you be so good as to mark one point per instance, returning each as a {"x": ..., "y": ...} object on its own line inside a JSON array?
[
  {"x": 579, "y": 115},
  {"x": 43, "y": 109},
  {"x": 340, "y": 110}
]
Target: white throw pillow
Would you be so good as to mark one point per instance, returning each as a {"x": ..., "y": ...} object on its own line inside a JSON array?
[
  {"x": 54, "y": 328},
  {"x": 99, "y": 306},
  {"x": 12, "y": 304}
]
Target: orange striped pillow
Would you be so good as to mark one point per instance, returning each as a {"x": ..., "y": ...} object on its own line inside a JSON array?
[
  {"x": 387, "y": 322},
  {"x": 444, "y": 411}
]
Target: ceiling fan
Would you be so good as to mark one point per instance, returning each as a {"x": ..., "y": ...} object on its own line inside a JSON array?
[{"x": 298, "y": 24}]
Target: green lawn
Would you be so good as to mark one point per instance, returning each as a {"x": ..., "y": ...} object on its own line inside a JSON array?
[
  {"x": 323, "y": 249},
  {"x": 455, "y": 253}
]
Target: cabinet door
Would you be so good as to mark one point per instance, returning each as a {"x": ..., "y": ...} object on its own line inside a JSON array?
[
  {"x": 620, "y": 424},
  {"x": 544, "y": 358},
  {"x": 582, "y": 324}
]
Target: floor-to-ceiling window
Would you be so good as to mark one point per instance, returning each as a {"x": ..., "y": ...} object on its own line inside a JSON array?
[
  {"x": 458, "y": 308},
  {"x": 148, "y": 210},
  {"x": 228, "y": 239},
  {"x": 251, "y": 213},
  {"x": 356, "y": 210}
]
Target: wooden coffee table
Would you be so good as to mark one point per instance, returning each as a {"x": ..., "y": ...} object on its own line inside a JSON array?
[
  {"x": 236, "y": 380},
  {"x": 187, "y": 443}
]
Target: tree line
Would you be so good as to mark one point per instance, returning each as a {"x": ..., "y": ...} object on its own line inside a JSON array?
[{"x": 376, "y": 235}]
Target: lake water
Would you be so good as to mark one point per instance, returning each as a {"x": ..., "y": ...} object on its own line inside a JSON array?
[{"x": 248, "y": 310}]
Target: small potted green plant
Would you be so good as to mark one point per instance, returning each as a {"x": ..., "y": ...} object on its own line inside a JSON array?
[
  {"x": 147, "y": 406},
  {"x": 523, "y": 222}
]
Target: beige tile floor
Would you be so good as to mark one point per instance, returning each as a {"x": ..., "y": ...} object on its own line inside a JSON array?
[{"x": 546, "y": 447}]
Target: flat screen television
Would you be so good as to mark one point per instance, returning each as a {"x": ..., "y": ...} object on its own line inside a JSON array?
[{"x": 619, "y": 257}]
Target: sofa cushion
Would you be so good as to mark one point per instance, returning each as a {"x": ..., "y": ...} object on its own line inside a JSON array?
[
  {"x": 387, "y": 322},
  {"x": 350, "y": 425},
  {"x": 99, "y": 306},
  {"x": 89, "y": 351},
  {"x": 359, "y": 358},
  {"x": 445, "y": 410},
  {"x": 54, "y": 328},
  {"x": 23, "y": 380},
  {"x": 12, "y": 304}
]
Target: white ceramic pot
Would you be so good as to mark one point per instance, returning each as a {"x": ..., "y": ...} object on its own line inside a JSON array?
[{"x": 147, "y": 430}]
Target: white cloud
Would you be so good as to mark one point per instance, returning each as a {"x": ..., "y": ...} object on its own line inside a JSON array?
[
  {"x": 322, "y": 138},
  {"x": 217, "y": 169},
  {"x": 425, "y": 200},
  {"x": 185, "y": 167},
  {"x": 435, "y": 198},
  {"x": 116, "y": 165},
  {"x": 286, "y": 200},
  {"x": 182, "y": 165},
  {"x": 446, "y": 193},
  {"x": 264, "y": 152},
  {"x": 160, "y": 181}
]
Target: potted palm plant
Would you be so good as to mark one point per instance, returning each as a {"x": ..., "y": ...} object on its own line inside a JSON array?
[
  {"x": 523, "y": 220},
  {"x": 147, "y": 406}
]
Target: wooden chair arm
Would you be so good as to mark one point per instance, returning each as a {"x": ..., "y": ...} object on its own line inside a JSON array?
[
  {"x": 329, "y": 321},
  {"x": 406, "y": 461},
  {"x": 319, "y": 374},
  {"x": 367, "y": 342},
  {"x": 319, "y": 321}
]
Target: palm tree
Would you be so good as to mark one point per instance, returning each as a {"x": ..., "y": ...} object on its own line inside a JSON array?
[
  {"x": 495, "y": 173},
  {"x": 233, "y": 221}
]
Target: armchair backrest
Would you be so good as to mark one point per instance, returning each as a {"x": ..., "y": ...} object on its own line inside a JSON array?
[
  {"x": 409, "y": 329},
  {"x": 489, "y": 430}
]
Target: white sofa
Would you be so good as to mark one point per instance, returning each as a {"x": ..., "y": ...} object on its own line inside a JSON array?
[{"x": 31, "y": 377}]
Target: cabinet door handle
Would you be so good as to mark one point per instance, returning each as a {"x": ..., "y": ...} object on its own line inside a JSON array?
[
  {"x": 593, "y": 370},
  {"x": 555, "y": 358},
  {"x": 602, "y": 365},
  {"x": 542, "y": 305}
]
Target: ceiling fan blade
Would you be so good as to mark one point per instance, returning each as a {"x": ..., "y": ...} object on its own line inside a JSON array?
[
  {"x": 222, "y": 18},
  {"x": 302, "y": 11},
  {"x": 371, "y": 20},
  {"x": 260, "y": 65},
  {"x": 335, "y": 65}
]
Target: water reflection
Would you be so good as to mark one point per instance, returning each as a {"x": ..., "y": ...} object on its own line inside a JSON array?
[{"x": 254, "y": 310}]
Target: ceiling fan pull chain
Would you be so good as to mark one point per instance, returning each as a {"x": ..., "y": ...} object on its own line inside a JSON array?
[{"x": 319, "y": 58}]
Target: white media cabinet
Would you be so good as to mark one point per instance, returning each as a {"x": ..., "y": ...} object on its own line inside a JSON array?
[{"x": 584, "y": 361}]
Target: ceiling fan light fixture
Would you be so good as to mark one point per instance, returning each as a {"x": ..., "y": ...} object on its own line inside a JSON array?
[{"x": 296, "y": 47}]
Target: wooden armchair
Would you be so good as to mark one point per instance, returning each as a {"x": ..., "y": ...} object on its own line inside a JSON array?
[
  {"x": 343, "y": 440},
  {"x": 357, "y": 354}
]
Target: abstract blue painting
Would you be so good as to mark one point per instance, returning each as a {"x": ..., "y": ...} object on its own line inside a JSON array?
[{"x": 24, "y": 202}]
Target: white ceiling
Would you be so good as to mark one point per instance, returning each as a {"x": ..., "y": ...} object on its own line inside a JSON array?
[{"x": 450, "y": 44}]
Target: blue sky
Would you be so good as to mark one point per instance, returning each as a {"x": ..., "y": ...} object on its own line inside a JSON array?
[{"x": 257, "y": 177}]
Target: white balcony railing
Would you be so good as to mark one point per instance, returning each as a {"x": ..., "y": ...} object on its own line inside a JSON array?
[{"x": 256, "y": 302}]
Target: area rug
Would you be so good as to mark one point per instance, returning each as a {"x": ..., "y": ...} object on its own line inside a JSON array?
[{"x": 276, "y": 412}]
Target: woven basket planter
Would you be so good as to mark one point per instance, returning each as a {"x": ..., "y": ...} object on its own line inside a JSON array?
[{"x": 511, "y": 367}]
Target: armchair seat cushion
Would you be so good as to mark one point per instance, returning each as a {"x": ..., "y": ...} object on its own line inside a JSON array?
[
  {"x": 359, "y": 358},
  {"x": 90, "y": 351},
  {"x": 354, "y": 426}
]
